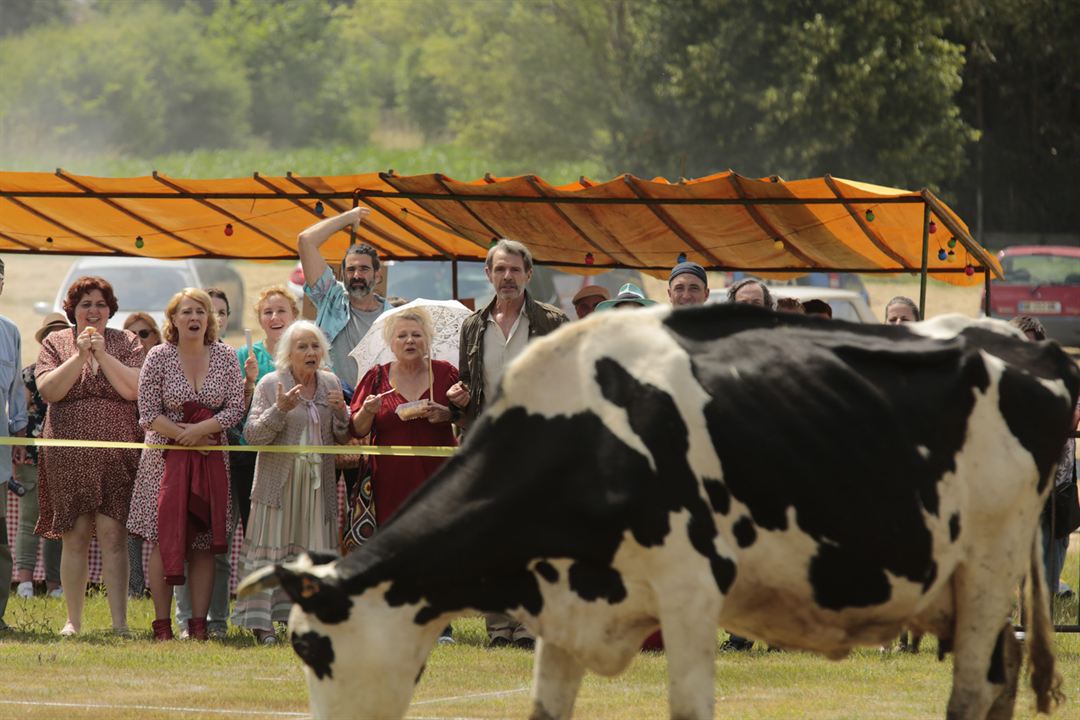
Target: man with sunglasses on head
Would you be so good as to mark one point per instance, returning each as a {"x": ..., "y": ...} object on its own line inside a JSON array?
[{"x": 346, "y": 308}]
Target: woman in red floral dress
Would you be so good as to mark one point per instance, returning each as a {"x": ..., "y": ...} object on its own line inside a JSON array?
[{"x": 89, "y": 377}]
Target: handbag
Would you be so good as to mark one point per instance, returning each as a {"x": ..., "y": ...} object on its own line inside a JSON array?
[
  {"x": 1066, "y": 508},
  {"x": 359, "y": 523}
]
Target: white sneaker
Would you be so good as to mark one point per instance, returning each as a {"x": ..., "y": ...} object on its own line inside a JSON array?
[
  {"x": 57, "y": 592},
  {"x": 25, "y": 590}
]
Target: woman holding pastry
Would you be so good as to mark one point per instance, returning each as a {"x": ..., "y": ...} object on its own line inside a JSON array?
[{"x": 404, "y": 403}]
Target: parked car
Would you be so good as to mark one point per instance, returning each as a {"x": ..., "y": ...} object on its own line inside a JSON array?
[
  {"x": 846, "y": 304},
  {"x": 1042, "y": 281},
  {"x": 147, "y": 284},
  {"x": 411, "y": 279}
]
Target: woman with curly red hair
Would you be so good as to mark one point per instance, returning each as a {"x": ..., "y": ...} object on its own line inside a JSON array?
[{"x": 89, "y": 376}]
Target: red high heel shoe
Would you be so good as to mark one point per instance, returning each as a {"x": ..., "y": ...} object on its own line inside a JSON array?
[
  {"x": 162, "y": 629},
  {"x": 196, "y": 628}
]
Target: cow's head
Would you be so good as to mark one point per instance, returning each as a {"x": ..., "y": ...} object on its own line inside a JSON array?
[{"x": 362, "y": 656}]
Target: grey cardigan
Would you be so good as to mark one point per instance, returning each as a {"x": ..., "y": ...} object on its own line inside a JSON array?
[{"x": 268, "y": 425}]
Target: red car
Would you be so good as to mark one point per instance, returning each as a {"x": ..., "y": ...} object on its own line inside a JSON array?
[{"x": 1042, "y": 281}]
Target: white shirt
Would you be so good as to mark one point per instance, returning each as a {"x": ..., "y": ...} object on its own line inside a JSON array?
[{"x": 500, "y": 350}]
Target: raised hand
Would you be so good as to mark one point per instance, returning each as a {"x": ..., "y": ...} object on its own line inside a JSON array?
[{"x": 286, "y": 401}]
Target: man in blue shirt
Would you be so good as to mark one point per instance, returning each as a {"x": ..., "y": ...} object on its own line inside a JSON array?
[
  {"x": 12, "y": 422},
  {"x": 345, "y": 309}
]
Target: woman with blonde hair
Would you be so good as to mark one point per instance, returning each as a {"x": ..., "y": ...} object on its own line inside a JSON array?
[
  {"x": 276, "y": 310},
  {"x": 410, "y": 378},
  {"x": 190, "y": 392},
  {"x": 294, "y": 499},
  {"x": 145, "y": 328}
]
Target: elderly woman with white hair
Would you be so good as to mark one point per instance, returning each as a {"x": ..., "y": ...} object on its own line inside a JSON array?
[{"x": 294, "y": 497}]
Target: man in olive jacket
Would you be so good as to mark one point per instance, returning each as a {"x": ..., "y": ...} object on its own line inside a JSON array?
[{"x": 490, "y": 339}]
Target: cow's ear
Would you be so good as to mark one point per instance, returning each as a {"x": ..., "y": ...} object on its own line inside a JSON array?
[{"x": 320, "y": 595}]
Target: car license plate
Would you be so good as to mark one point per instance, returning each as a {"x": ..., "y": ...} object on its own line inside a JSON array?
[{"x": 1039, "y": 306}]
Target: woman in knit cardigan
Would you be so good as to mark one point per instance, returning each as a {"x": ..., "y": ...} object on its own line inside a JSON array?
[{"x": 294, "y": 497}]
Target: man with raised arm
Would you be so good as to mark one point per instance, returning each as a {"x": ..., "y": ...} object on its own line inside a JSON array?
[{"x": 346, "y": 308}]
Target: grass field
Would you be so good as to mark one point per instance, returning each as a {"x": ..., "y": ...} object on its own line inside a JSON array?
[{"x": 101, "y": 676}]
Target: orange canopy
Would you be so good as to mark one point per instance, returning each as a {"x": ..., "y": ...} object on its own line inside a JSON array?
[{"x": 724, "y": 221}]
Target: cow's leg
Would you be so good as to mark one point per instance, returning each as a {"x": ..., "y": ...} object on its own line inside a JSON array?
[
  {"x": 556, "y": 679},
  {"x": 1007, "y": 656},
  {"x": 981, "y": 646},
  {"x": 690, "y": 644}
]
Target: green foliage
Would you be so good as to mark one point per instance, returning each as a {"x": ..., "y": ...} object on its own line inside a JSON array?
[
  {"x": 307, "y": 86},
  {"x": 1021, "y": 85},
  {"x": 136, "y": 81},
  {"x": 17, "y": 16}
]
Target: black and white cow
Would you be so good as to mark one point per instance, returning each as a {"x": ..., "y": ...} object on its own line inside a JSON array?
[{"x": 815, "y": 485}]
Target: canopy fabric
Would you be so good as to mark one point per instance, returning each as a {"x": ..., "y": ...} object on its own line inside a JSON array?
[{"x": 724, "y": 221}]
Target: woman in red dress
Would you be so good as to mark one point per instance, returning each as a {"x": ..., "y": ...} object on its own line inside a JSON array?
[{"x": 409, "y": 378}]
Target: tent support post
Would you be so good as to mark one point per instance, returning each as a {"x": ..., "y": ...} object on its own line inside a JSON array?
[
  {"x": 925, "y": 260},
  {"x": 986, "y": 300},
  {"x": 453, "y": 277}
]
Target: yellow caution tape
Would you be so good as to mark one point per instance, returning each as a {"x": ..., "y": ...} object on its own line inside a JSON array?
[{"x": 397, "y": 450}]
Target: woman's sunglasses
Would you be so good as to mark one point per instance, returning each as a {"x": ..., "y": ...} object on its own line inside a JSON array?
[{"x": 144, "y": 333}]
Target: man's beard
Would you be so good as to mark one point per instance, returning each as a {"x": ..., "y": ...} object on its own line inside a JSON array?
[{"x": 359, "y": 289}]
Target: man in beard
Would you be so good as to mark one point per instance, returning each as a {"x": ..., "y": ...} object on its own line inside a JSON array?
[
  {"x": 345, "y": 309},
  {"x": 490, "y": 339}
]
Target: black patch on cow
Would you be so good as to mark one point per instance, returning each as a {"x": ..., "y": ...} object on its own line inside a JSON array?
[
  {"x": 657, "y": 421},
  {"x": 719, "y": 497},
  {"x": 547, "y": 571},
  {"x": 322, "y": 558},
  {"x": 829, "y": 424},
  {"x": 996, "y": 672},
  {"x": 317, "y": 652},
  {"x": 954, "y": 527},
  {"x": 745, "y": 534},
  {"x": 321, "y": 597},
  {"x": 596, "y": 582},
  {"x": 1020, "y": 396},
  {"x": 944, "y": 647},
  {"x": 420, "y": 674}
]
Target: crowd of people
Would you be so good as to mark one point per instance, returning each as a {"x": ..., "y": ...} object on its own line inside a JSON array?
[{"x": 180, "y": 386}]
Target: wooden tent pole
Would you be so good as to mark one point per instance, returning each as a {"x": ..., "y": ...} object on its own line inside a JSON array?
[
  {"x": 925, "y": 259},
  {"x": 986, "y": 299},
  {"x": 453, "y": 277}
]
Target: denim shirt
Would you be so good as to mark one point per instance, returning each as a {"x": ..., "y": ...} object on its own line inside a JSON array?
[
  {"x": 12, "y": 397},
  {"x": 332, "y": 308}
]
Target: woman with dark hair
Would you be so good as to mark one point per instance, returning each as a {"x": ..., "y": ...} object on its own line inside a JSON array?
[
  {"x": 89, "y": 376},
  {"x": 190, "y": 392},
  {"x": 145, "y": 328}
]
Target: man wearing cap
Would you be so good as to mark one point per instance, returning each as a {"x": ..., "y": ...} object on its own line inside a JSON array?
[
  {"x": 630, "y": 296},
  {"x": 587, "y": 298},
  {"x": 12, "y": 422},
  {"x": 346, "y": 308},
  {"x": 490, "y": 339},
  {"x": 688, "y": 285}
]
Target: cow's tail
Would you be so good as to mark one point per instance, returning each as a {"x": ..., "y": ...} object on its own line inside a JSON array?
[{"x": 1045, "y": 679}]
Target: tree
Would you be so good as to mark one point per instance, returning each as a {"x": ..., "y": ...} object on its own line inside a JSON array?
[{"x": 18, "y": 16}]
